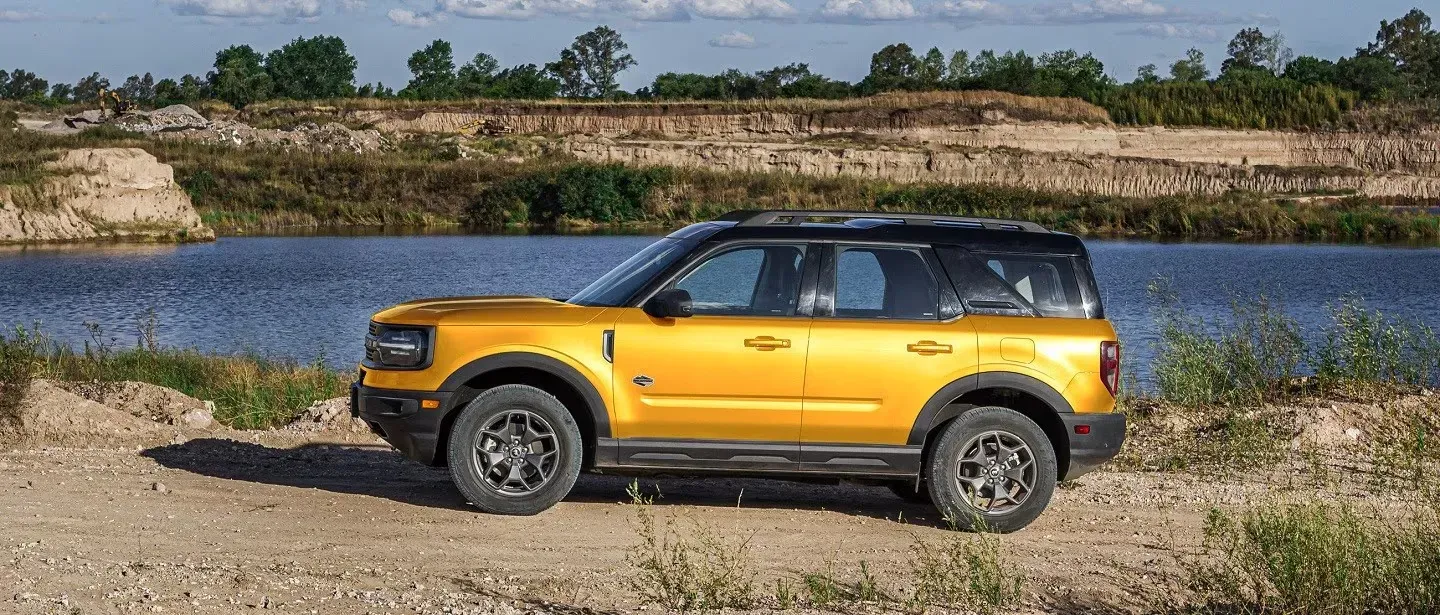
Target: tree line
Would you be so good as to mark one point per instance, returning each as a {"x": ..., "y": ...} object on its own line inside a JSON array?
[{"x": 1260, "y": 84}]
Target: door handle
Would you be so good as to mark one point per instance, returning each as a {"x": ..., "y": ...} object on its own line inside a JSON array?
[
  {"x": 928, "y": 347},
  {"x": 766, "y": 343}
]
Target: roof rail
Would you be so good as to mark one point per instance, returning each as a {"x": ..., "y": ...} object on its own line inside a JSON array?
[{"x": 795, "y": 217}]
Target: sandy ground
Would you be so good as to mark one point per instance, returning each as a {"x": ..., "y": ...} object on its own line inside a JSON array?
[{"x": 286, "y": 522}]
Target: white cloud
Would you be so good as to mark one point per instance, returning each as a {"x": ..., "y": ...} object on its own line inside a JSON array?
[
  {"x": 354, "y": 6},
  {"x": 13, "y": 15},
  {"x": 969, "y": 12},
  {"x": 250, "y": 10},
  {"x": 650, "y": 10},
  {"x": 734, "y": 40},
  {"x": 866, "y": 11},
  {"x": 742, "y": 9},
  {"x": 1204, "y": 34},
  {"x": 638, "y": 10},
  {"x": 411, "y": 19}
]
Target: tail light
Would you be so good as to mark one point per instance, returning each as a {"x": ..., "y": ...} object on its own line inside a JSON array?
[{"x": 1110, "y": 366}]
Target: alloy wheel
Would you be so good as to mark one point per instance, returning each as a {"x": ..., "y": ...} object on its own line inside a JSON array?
[
  {"x": 517, "y": 453},
  {"x": 996, "y": 472}
]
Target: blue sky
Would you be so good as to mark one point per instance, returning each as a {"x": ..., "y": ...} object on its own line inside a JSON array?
[{"x": 63, "y": 40}]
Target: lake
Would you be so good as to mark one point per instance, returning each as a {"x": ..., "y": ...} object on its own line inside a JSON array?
[{"x": 311, "y": 297}]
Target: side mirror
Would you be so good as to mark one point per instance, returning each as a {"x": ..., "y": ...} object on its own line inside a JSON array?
[{"x": 673, "y": 303}]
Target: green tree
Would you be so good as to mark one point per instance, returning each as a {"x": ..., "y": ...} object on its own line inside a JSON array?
[
  {"x": 958, "y": 72},
  {"x": 894, "y": 67},
  {"x": 23, "y": 85},
  {"x": 313, "y": 68},
  {"x": 567, "y": 71},
  {"x": 62, "y": 93},
  {"x": 1373, "y": 77},
  {"x": 932, "y": 69},
  {"x": 476, "y": 77},
  {"x": 1252, "y": 49},
  {"x": 1147, "y": 74},
  {"x": 525, "y": 81},
  {"x": 239, "y": 77},
  {"x": 1310, "y": 70},
  {"x": 88, "y": 89},
  {"x": 1413, "y": 46},
  {"x": 591, "y": 66},
  {"x": 1191, "y": 68},
  {"x": 432, "y": 72},
  {"x": 139, "y": 89}
]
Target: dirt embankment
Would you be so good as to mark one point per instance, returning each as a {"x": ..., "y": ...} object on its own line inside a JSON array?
[
  {"x": 1058, "y": 172},
  {"x": 111, "y": 193}
]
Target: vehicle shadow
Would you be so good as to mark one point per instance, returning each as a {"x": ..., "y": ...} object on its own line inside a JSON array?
[{"x": 379, "y": 471}]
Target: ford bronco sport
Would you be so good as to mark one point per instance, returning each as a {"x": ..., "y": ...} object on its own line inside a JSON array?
[{"x": 960, "y": 361}]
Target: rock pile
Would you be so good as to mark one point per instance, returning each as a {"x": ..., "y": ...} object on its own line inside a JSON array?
[{"x": 183, "y": 122}]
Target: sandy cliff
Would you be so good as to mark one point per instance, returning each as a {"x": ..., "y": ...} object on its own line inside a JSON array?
[
  {"x": 1060, "y": 172},
  {"x": 102, "y": 194},
  {"x": 1412, "y": 153}
]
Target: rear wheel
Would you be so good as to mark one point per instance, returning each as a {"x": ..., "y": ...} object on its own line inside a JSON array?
[
  {"x": 993, "y": 469},
  {"x": 514, "y": 450}
]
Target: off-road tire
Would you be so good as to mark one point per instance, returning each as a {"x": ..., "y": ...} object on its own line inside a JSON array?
[
  {"x": 489, "y": 407},
  {"x": 952, "y": 500},
  {"x": 906, "y": 491}
]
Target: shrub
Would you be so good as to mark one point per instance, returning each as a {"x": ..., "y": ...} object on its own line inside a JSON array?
[
  {"x": 964, "y": 572},
  {"x": 1364, "y": 348},
  {"x": 1318, "y": 558},
  {"x": 606, "y": 194},
  {"x": 1250, "y": 358},
  {"x": 696, "y": 570},
  {"x": 19, "y": 355}
]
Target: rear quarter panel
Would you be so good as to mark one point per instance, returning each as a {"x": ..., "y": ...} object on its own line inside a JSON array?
[{"x": 1065, "y": 355}]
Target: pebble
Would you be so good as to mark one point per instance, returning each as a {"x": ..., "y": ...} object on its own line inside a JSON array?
[{"x": 159, "y": 487}]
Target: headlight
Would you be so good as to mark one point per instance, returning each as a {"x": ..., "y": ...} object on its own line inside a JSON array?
[{"x": 388, "y": 346}]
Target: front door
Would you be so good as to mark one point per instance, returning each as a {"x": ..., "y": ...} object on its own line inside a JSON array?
[
  {"x": 882, "y": 344},
  {"x": 722, "y": 388}
]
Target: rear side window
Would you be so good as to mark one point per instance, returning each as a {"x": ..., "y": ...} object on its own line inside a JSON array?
[
  {"x": 1024, "y": 284},
  {"x": 893, "y": 283}
]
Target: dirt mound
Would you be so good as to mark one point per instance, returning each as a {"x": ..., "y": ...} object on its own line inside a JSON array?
[
  {"x": 150, "y": 402},
  {"x": 1339, "y": 425},
  {"x": 52, "y": 415},
  {"x": 328, "y": 415},
  {"x": 174, "y": 117}
]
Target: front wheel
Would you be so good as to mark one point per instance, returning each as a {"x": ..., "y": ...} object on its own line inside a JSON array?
[
  {"x": 514, "y": 450},
  {"x": 992, "y": 469}
]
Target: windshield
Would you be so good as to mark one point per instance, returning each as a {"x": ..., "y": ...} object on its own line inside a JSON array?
[{"x": 615, "y": 288}]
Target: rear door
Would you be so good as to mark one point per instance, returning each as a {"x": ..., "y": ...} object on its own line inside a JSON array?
[{"x": 888, "y": 333}]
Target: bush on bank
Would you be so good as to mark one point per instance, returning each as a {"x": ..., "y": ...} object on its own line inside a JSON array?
[{"x": 249, "y": 391}]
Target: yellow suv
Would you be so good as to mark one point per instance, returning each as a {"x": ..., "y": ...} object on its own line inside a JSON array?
[{"x": 961, "y": 361}]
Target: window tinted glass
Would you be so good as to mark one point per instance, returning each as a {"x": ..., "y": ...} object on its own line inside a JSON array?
[
  {"x": 616, "y": 287},
  {"x": 1047, "y": 282},
  {"x": 748, "y": 281},
  {"x": 885, "y": 283}
]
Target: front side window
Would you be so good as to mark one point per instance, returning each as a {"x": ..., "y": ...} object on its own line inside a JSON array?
[
  {"x": 893, "y": 283},
  {"x": 747, "y": 281}
]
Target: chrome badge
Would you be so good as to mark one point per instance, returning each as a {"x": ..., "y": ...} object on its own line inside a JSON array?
[{"x": 643, "y": 380}]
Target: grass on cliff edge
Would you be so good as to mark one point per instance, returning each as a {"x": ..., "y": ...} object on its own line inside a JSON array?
[
  {"x": 1015, "y": 106},
  {"x": 249, "y": 391}
]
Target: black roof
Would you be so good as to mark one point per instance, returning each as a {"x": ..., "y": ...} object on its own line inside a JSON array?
[{"x": 980, "y": 234}]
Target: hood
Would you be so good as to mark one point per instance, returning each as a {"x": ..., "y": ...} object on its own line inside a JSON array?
[{"x": 510, "y": 310}]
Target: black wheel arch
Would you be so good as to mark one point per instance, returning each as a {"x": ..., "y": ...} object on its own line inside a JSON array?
[
  {"x": 1025, "y": 394},
  {"x": 548, "y": 374}
]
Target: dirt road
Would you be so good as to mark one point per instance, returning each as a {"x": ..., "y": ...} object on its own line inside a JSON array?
[{"x": 216, "y": 525}]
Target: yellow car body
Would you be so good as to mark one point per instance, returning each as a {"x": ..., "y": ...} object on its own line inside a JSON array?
[{"x": 801, "y": 389}]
